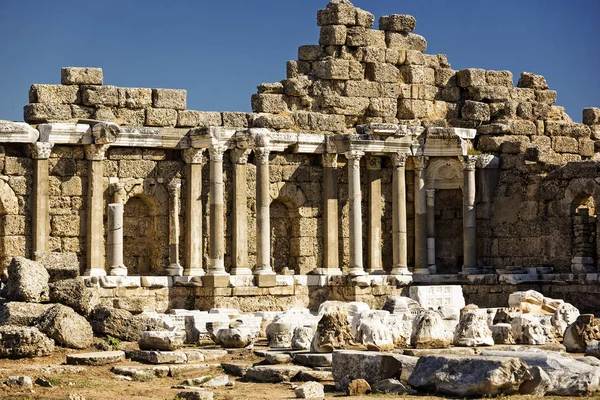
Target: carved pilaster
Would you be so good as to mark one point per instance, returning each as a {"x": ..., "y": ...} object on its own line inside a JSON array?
[
  {"x": 239, "y": 156},
  {"x": 330, "y": 160},
  {"x": 420, "y": 162},
  {"x": 216, "y": 152},
  {"x": 193, "y": 156},
  {"x": 96, "y": 152},
  {"x": 399, "y": 159},
  {"x": 41, "y": 150}
]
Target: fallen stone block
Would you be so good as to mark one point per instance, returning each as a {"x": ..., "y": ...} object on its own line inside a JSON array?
[
  {"x": 318, "y": 376},
  {"x": 358, "y": 387},
  {"x": 20, "y": 342},
  {"x": 236, "y": 369},
  {"x": 157, "y": 357},
  {"x": 97, "y": 358},
  {"x": 158, "y": 371},
  {"x": 195, "y": 395},
  {"x": 177, "y": 370},
  {"x": 429, "y": 331},
  {"x": 21, "y": 314},
  {"x": 373, "y": 367},
  {"x": 313, "y": 359},
  {"x": 310, "y": 390},
  {"x": 20, "y": 381},
  {"x": 27, "y": 281},
  {"x": 277, "y": 358},
  {"x": 66, "y": 327},
  {"x": 273, "y": 373}
]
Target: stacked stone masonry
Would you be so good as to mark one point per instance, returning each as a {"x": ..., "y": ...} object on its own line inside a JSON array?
[{"x": 370, "y": 158}]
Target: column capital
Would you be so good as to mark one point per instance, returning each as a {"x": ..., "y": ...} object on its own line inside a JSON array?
[
  {"x": 373, "y": 163},
  {"x": 174, "y": 188},
  {"x": 430, "y": 193},
  {"x": 261, "y": 155},
  {"x": 420, "y": 162},
  {"x": 41, "y": 150},
  {"x": 216, "y": 152},
  {"x": 96, "y": 152},
  {"x": 119, "y": 192},
  {"x": 330, "y": 160},
  {"x": 470, "y": 162},
  {"x": 239, "y": 156},
  {"x": 193, "y": 156},
  {"x": 399, "y": 159},
  {"x": 354, "y": 154}
]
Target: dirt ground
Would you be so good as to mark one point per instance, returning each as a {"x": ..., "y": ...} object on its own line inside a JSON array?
[{"x": 98, "y": 383}]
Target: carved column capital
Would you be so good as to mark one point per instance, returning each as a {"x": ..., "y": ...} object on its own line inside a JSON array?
[
  {"x": 399, "y": 159},
  {"x": 41, "y": 150},
  {"x": 470, "y": 162},
  {"x": 330, "y": 160},
  {"x": 261, "y": 155},
  {"x": 193, "y": 156},
  {"x": 96, "y": 152},
  {"x": 239, "y": 156},
  {"x": 354, "y": 154},
  {"x": 175, "y": 188},
  {"x": 420, "y": 162},
  {"x": 119, "y": 192},
  {"x": 373, "y": 163},
  {"x": 216, "y": 152}
]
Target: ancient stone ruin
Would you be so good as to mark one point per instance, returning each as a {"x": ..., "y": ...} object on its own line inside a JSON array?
[{"x": 351, "y": 210}]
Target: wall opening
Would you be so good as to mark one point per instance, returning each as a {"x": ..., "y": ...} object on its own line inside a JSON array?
[
  {"x": 283, "y": 258},
  {"x": 448, "y": 231},
  {"x": 584, "y": 234}
]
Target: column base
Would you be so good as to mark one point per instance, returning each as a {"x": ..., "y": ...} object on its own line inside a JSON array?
[
  {"x": 175, "y": 270},
  {"x": 95, "y": 272},
  {"x": 216, "y": 281},
  {"x": 241, "y": 271},
  {"x": 356, "y": 271},
  {"x": 400, "y": 271},
  {"x": 118, "y": 271},
  {"x": 421, "y": 271},
  {"x": 378, "y": 271},
  {"x": 265, "y": 280},
  {"x": 193, "y": 272},
  {"x": 328, "y": 271}
]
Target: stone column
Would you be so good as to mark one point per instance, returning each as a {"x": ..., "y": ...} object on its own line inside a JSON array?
[
  {"x": 421, "y": 267},
  {"x": 331, "y": 263},
  {"x": 374, "y": 266},
  {"x": 240, "y": 266},
  {"x": 354, "y": 200},
  {"x": 95, "y": 211},
  {"x": 40, "y": 152},
  {"x": 263, "y": 271},
  {"x": 469, "y": 216},
  {"x": 216, "y": 270},
  {"x": 115, "y": 240},
  {"x": 399, "y": 235},
  {"x": 175, "y": 268},
  {"x": 194, "y": 158},
  {"x": 431, "y": 230}
]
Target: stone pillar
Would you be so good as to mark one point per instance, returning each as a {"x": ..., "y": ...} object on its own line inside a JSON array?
[
  {"x": 194, "y": 158},
  {"x": 431, "y": 230},
  {"x": 399, "y": 235},
  {"x": 175, "y": 268},
  {"x": 40, "y": 152},
  {"x": 469, "y": 216},
  {"x": 95, "y": 210},
  {"x": 263, "y": 271},
  {"x": 354, "y": 200},
  {"x": 217, "y": 276},
  {"x": 374, "y": 265},
  {"x": 240, "y": 266},
  {"x": 421, "y": 267},
  {"x": 331, "y": 263},
  {"x": 115, "y": 240},
  {"x": 119, "y": 193}
]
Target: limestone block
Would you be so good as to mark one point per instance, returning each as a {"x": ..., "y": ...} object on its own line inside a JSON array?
[
  {"x": 418, "y": 74},
  {"x": 127, "y": 117},
  {"x": 382, "y": 107},
  {"x": 489, "y": 93},
  {"x": 563, "y": 144},
  {"x": 532, "y": 81},
  {"x": 356, "y": 70},
  {"x": 499, "y": 78},
  {"x": 356, "y": 36},
  {"x": 310, "y": 390},
  {"x": 362, "y": 89},
  {"x": 333, "y": 35},
  {"x": 591, "y": 116},
  {"x": 310, "y": 53},
  {"x": 296, "y": 68},
  {"x": 372, "y": 54},
  {"x": 100, "y": 95},
  {"x": 191, "y": 118},
  {"x": 235, "y": 119},
  {"x": 106, "y": 114},
  {"x": 424, "y": 109},
  {"x": 471, "y": 77},
  {"x": 135, "y": 98},
  {"x": 43, "y": 112},
  {"x": 376, "y": 38},
  {"x": 395, "y": 56},
  {"x": 66, "y": 327},
  {"x": 332, "y": 69},
  {"x": 382, "y": 72},
  {"x": 451, "y": 94},
  {"x": 59, "y": 94},
  {"x": 397, "y": 23},
  {"x": 169, "y": 98},
  {"x": 475, "y": 111},
  {"x": 296, "y": 86},
  {"x": 339, "y": 13},
  {"x": 320, "y": 122},
  {"x": 345, "y": 105},
  {"x": 81, "y": 76},
  {"x": 414, "y": 57},
  {"x": 161, "y": 117},
  {"x": 428, "y": 331},
  {"x": 522, "y": 94},
  {"x": 27, "y": 281},
  {"x": 65, "y": 225},
  {"x": 82, "y": 112},
  {"x": 268, "y": 103},
  {"x": 546, "y": 96},
  {"x": 72, "y": 186},
  {"x": 14, "y": 225},
  {"x": 19, "y": 342},
  {"x": 270, "y": 88},
  {"x": 445, "y": 77},
  {"x": 405, "y": 41},
  {"x": 364, "y": 18},
  {"x": 269, "y": 121},
  {"x": 136, "y": 168},
  {"x": 586, "y": 147}
]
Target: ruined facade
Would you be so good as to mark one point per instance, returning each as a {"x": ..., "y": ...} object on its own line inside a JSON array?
[{"x": 372, "y": 166}]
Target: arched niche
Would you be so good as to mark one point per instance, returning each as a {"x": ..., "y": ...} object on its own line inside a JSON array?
[{"x": 444, "y": 173}]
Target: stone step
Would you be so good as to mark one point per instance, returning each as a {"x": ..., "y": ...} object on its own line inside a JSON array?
[
  {"x": 97, "y": 358},
  {"x": 157, "y": 357}
]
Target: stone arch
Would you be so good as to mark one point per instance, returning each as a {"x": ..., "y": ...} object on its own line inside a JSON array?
[{"x": 146, "y": 229}]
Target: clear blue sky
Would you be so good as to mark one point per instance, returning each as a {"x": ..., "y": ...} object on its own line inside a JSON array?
[{"x": 220, "y": 50}]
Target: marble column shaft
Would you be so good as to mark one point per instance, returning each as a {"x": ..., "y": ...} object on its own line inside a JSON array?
[
  {"x": 41, "y": 223},
  {"x": 240, "y": 264},
  {"x": 263, "y": 221},
  {"x": 354, "y": 200},
  {"x": 331, "y": 263},
  {"x": 95, "y": 263},
  {"x": 175, "y": 268},
  {"x": 431, "y": 230},
  {"x": 420, "y": 217},
  {"x": 115, "y": 240},
  {"x": 217, "y": 216},
  {"x": 194, "y": 159},
  {"x": 399, "y": 230},
  {"x": 374, "y": 217},
  {"x": 469, "y": 216}
]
